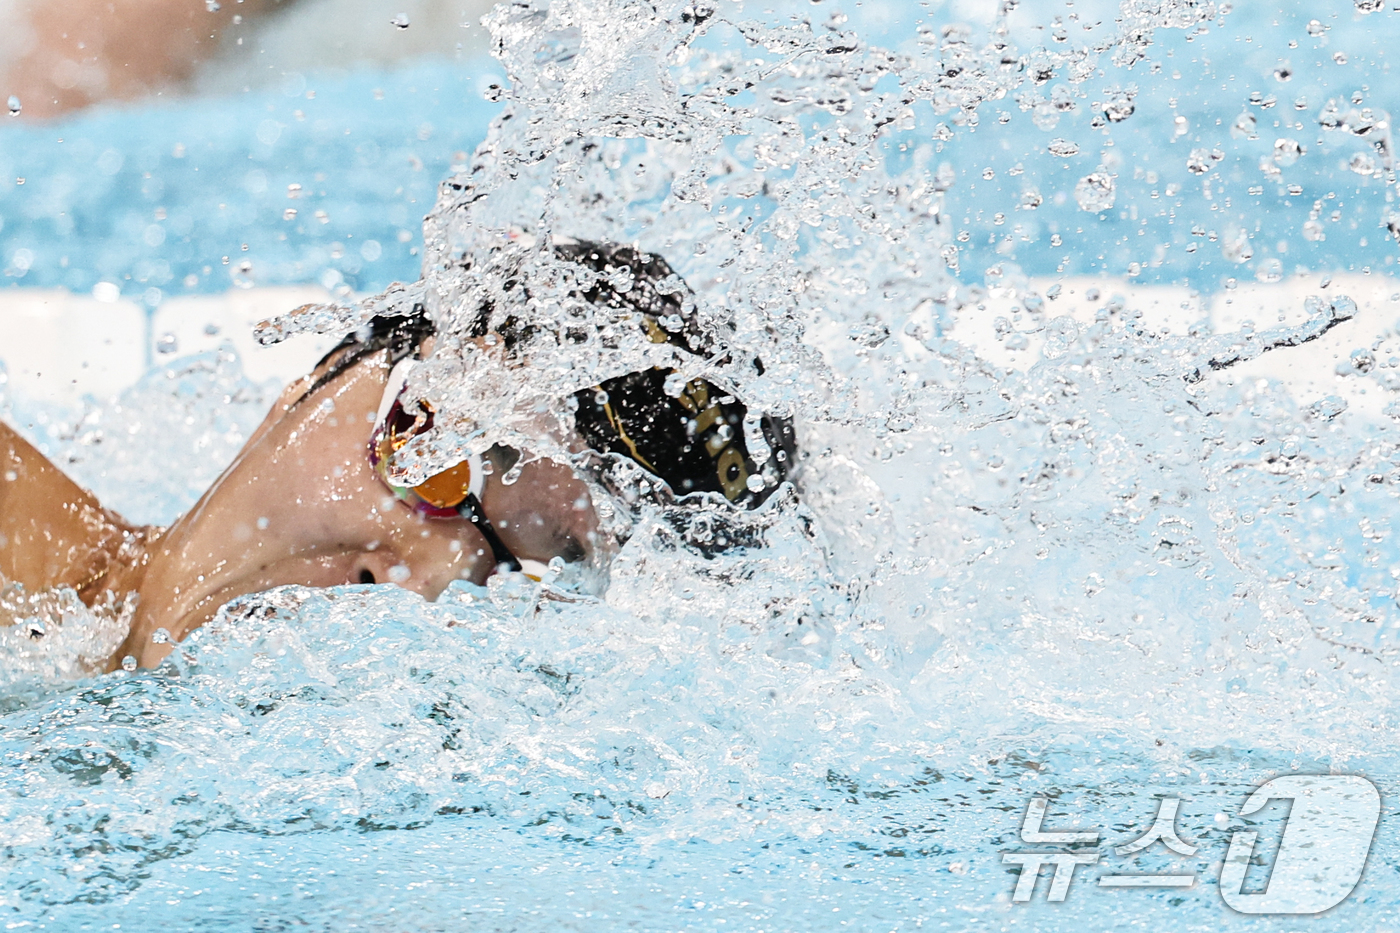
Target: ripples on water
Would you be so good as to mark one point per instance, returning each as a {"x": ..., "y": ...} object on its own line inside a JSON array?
[{"x": 1110, "y": 576}]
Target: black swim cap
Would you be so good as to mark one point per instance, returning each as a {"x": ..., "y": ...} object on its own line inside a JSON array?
[{"x": 694, "y": 440}]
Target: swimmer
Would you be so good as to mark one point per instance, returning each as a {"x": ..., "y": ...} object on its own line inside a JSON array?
[
  {"x": 59, "y": 57},
  {"x": 309, "y": 499}
]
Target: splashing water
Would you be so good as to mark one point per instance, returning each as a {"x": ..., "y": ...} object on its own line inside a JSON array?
[{"x": 1110, "y": 574}]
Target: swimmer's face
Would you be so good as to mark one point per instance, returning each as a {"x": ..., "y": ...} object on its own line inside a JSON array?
[{"x": 302, "y": 505}]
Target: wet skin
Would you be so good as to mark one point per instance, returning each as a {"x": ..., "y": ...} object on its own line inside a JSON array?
[{"x": 299, "y": 505}]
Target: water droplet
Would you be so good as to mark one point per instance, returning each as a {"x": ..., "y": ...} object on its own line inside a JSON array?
[
  {"x": 160, "y": 637},
  {"x": 1316, "y": 28},
  {"x": 1287, "y": 151},
  {"x": 289, "y": 214},
  {"x": 1063, "y": 148},
  {"x": 129, "y": 664},
  {"x": 211, "y": 6},
  {"x": 949, "y": 252},
  {"x": 242, "y": 274},
  {"x": 1031, "y": 199},
  {"x": 167, "y": 344},
  {"x": 401, "y": 21},
  {"x": 1095, "y": 192},
  {"x": 1362, "y": 164},
  {"x": 1045, "y": 117},
  {"x": 1235, "y": 245},
  {"x": 15, "y": 106},
  {"x": 1328, "y": 408},
  {"x": 1198, "y": 162},
  {"x": 1119, "y": 107},
  {"x": 755, "y": 483},
  {"x": 1339, "y": 57},
  {"x": 399, "y": 573}
]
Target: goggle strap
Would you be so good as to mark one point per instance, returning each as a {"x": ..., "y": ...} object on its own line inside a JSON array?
[{"x": 472, "y": 511}]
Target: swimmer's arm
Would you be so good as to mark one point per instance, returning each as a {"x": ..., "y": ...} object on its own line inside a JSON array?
[
  {"x": 79, "y": 52},
  {"x": 52, "y": 531}
]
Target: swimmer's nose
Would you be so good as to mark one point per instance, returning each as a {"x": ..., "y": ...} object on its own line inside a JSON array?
[{"x": 371, "y": 567}]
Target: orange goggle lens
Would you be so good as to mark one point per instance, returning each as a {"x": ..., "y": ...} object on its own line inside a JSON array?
[
  {"x": 448, "y": 489},
  {"x": 445, "y": 491}
]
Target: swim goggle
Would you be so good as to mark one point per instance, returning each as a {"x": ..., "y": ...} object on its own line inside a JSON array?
[{"x": 454, "y": 493}]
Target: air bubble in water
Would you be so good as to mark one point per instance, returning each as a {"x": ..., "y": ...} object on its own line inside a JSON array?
[
  {"x": 1031, "y": 199},
  {"x": 1339, "y": 57},
  {"x": 1063, "y": 148},
  {"x": 15, "y": 106},
  {"x": 1198, "y": 162},
  {"x": 401, "y": 21},
  {"x": 1244, "y": 127},
  {"x": 1313, "y": 232},
  {"x": 1287, "y": 151},
  {"x": 167, "y": 343},
  {"x": 1316, "y": 28},
  {"x": 1365, "y": 7},
  {"x": 1095, "y": 192}
]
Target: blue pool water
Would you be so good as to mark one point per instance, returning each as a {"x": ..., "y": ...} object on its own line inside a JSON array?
[
  {"x": 1101, "y": 580},
  {"x": 158, "y": 196}
]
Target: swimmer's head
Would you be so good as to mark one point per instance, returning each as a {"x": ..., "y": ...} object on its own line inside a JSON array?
[{"x": 311, "y": 499}]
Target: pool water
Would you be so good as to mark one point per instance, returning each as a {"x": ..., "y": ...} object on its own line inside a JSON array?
[{"x": 1113, "y": 572}]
